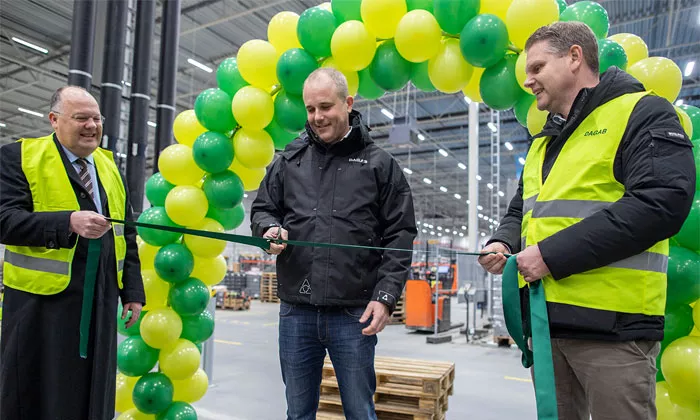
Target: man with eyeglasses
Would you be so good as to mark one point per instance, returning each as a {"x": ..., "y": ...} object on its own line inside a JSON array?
[{"x": 65, "y": 267}]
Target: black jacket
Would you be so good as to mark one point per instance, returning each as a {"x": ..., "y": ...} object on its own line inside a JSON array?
[
  {"x": 655, "y": 164},
  {"x": 351, "y": 192}
]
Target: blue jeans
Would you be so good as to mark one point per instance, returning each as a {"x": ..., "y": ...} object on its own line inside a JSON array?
[{"x": 305, "y": 333}]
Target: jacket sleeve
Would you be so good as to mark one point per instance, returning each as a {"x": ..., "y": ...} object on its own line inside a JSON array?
[
  {"x": 20, "y": 225},
  {"x": 267, "y": 208},
  {"x": 656, "y": 167},
  {"x": 509, "y": 228},
  {"x": 398, "y": 222},
  {"x": 131, "y": 277}
]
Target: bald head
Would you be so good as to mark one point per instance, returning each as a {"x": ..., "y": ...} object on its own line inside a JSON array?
[{"x": 76, "y": 119}]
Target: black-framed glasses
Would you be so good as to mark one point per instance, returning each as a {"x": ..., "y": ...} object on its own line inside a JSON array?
[{"x": 82, "y": 119}]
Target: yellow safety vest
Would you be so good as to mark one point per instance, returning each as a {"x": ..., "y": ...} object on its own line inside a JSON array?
[
  {"x": 581, "y": 183},
  {"x": 45, "y": 271}
]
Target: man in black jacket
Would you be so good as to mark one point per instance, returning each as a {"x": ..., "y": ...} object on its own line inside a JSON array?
[
  {"x": 334, "y": 185},
  {"x": 604, "y": 360}
]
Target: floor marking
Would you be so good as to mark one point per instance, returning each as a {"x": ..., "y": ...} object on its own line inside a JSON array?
[
  {"x": 270, "y": 324},
  {"x": 513, "y": 378},
  {"x": 233, "y": 343}
]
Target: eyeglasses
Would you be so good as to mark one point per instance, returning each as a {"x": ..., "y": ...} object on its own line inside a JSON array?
[{"x": 82, "y": 119}]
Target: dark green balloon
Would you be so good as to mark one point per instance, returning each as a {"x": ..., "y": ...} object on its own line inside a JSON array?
[
  {"x": 290, "y": 112},
  {"x": 420, "y": 77},
  {"x": 280, "y": 137},
  {"x": 229, "y": 78},
  {"x": 678, "y": 323},
  {"x": 388, "y": 69},
  {"x": 135, "y": 357},
  {"x": 368, "y": 88},
  {"x": 522, "y": 106},
  {"x": 157, "y": 188},
  {"x": 178, "y": 410},
  {"x": 345, "y": 10},
  {"x": 174, "y": 263},
  {"x": 293, "y": 67},
  {"x": 689, "y": 235},
  {"x": 589, "y": 12},
  {"x": 121, "y": 323},
  {"x": 153, "y": 393},
  {"x": 683, "y": 279},
  {"x": 315, "y": 30},
  {"x": 155, "y": 237},
  {"x": 484, "y": 40},
  {"x": 610, "y": 53},
  {"x": 223, "y": 190},
  {"x": 197, "y": 328},
  {"x": 213, "y": 109},
  {"x": 694, "y": 114},
  {"x": 189, "y": 297},
  {"x": 229, "y": 218},
  {"x": 420, "y": 4},
  {"x": 213, "y": 152},
  {"x": 562, "y": 6},
  {"x": 452, "y": 15},
  {"x": 498, "y": 86}
]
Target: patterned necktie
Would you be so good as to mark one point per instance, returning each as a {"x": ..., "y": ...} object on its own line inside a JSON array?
[{"x": 85, "y": 177}]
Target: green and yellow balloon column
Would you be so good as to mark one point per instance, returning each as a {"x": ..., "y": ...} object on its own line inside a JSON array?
[{"x": 225, "y": 143}]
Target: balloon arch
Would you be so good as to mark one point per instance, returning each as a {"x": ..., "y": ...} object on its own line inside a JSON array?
[{"x": 225, "y": 143}]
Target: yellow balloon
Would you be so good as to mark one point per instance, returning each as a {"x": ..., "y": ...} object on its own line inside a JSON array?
[
  {"x": 351, "y": 76},
  {"x": 326, "y": 6},
  {"x": 471, "y": 90},
  {"x": 156, "y": 290},
  {"x": 418, "y": 36},
  {"x": 686, "y": 122},
  {"x": 257, "y": 63},
  {"x": 448, "y": 71},
  {"x": 382, "y": 16},
  {"x": 206, "y": 247},
  {"x": 186, "y": 128},
  {"x": 147, "y": 254},
  {"x": 680, "y": 364},
  {"x": 353, "y": 46},
  {"x": 179, "y": 361},
  {"x": 659, "y": 74},
  {"x": 135, "y": 414},
  {"x": 161, "y": 328},
  {"x": 253, "y": 108},
  {"x": 525, "y": 16},
  {"x": 177, "y": 165},
  {"x": 209, "y": 270},
  {"x": 536, "y": 119},
  {"x": 251, "y": 178},
  {"x": 696, "y": 331},
  {"x": 124, "y": 389},
  {"x": 670, "y": 406},
  {"x": 520, "y": 74},
  {"x": 634, "y": 46},
  {"x": 282, "y": 31},
  {"x": 254, "y": 148},
  {"x": 495, "y": 7},
  {"x": 192, "y": 389},
  {"x": 186, "y": 205}
]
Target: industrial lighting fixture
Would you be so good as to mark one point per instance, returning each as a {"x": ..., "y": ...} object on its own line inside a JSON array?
[
  {"x": 152, "y": 124},
  {"x": 245, "y": 195},
  {"x": 408, "y": 171},
  {"x": 458, "y": 197},
  {"x": 478, "y": 177},
  {"x": 443, "y": 152},
  {"x": 199, "y": 65},
  {"x": 467, "y": 100},
  {"x": 679, "y": 102},
  {"x": 492, "y": 127},
  {"x": 388, "y": 114},
  {"x": 481, "y": 216},
  {"x": 521, "y": 160},
  {"x": 479, "y": 208},
  {"x": 483, "y": 234},
  {"x": 443, "y": 189},
  {"x": 30, "y": 45},
  {"x": 462, "y": 166},
  {"x": 3, "y": 125},
  {"x": 427, "y": 181},
  {"x": 508, "y": 145},
  {"x": 421, "y": 137},
  {"x": 417, "y": 223},
  {"x": 464, "y": 228},
  {"x": 468, "y": 202},
  {"x": 424, "y": 231},
  {"x": 454, "y": 232},
  {"x": 689, "y": 68},
  {"x": 501, "y": 193},
  {"x": 461, "y": 235},
  {"x": 432, "y": 232},
  {"x": 30, "y": 112},
  {"x": 439, "y": 234},
  {"x": 439, "y": 228},
  {"x": 489, "y": 186}
]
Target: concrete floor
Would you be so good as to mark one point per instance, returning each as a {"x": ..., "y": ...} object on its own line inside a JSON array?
[{"x": 490, "y": 382}]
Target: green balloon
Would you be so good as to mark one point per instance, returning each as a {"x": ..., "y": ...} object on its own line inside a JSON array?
[
  {"x": 689, "y": 235},
  {"x": 189, "y": 297},
  {"x": 522, "y": 106},
  {"x": 388, "y": 69},
  {"x": 345, "y": 10},
  {"x": 290, "y": 112},
  {"x": 229, "y": 218},
  {"x": 315, "y": 30},
  {"x": 157, "y": 188},
  {"x": 213, "y": 109},
  {"x": 694, "y": 114},
  {"x": 610, "y": 53},
  {"x": 683, "y": 285},
  {"x": 484, "y": 40},
  {"x": 420, "y": 77},
  {"x": 452, "y": 15},
  {"x": 293, "y": 67},
  {"x": 197, "y": 328},
  {"x": 178, "y": 410},
  {"x": 677, "y": 323},
  {"x": 562, "y": 6},
  {"x": 589, "y": 12},
  {"x": 229, "y": 78},
  {"x": 420, "y": 4},
  {"x": 155, "y": 237},
  {"x": 121, "y": 323},
  {"x": 696, "y": 155},
  {"x": 213, "y": 152},
  {"x": 280, "y": 137},
  {"x": 174, "y": 263},
  {"x": 223, "y": 190},
  {"x": 368, "y": 88},
  {"x": 135, "y": 357},
  {"x": 498, "y": 86},
  {"x": 153, "y": 393}
]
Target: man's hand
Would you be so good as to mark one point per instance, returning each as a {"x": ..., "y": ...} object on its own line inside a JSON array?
[
  {"x": 531, "y": 265},
  {"x": 135, "y": 308},
  {"x": 274, "y": 233},
  {"x": 380, "y": 316},
  {"x": 89, "y": 224},
  {"x": 494, "y": 263}
]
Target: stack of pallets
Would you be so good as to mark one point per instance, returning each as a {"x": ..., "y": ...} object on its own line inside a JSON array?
[
  {"x": 398, "y": 316},
  {"x": 268, "y": 288},
  {"x": 236, "y": 302}
]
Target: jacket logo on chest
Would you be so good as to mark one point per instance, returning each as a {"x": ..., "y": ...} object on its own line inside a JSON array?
[
  {"x": 358, "y": 160},
  {"x": 595, "y": 132}
]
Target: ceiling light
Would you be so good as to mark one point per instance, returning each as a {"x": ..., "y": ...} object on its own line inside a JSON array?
[
  {"x": 432, "y": 232},
  {"x": 689, "y": 68},
  {"x": 479, "y": 208},
  {"x": 679, "y": 102},
  {"x": 3, "y": 125},
  {"x": 462, "y": 166},
  {"x": 417, "y": 223},
  {"x": 478, "y": 177},
  {"x": 421, "y": 137},
  {"x": 424, "y": 231},
  {"x": 468, "y": 202},
  {"x": 152, "y": 124},
  {"x": 388, "y": 114},
  {"x": 483, "y": 234},
  {"x": 492, "y": 127},
  {"x": 461, "y": 235},
  {"x": 481, "y": 216},
  {"x": 489, "y": 186},
  {"x": 508, "y": 145},
  {"x": 467, "y": 100},
  {"x": 30, "y": 112},
  {"x": 30, "y": 45},
  {"x": 408, "y": 171},
  {"x": 443, "y": 189},
  {"x": 521, "y": 160},
  {"x": 442, "y": 152},
  {"x": 501, "y": 193},
  {"x": 199, "y": 65},
  {"x": 427, "y": 181},
  {"x": 458, "y": 197},
  {"x": 454, "y": 232},
  {"x": 245, "y": 195},
  {"x": 464, "y": 228},
  {"x": 439, "y": 234},
  {"x": 439, "y": 228}
]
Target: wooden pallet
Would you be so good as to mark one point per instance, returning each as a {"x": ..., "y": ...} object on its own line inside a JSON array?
[
  {"x": 503, "y": 340},
  {"x": 268, "y": 288},
  {"x": 236, "y": 303},
  {"x": 334, "y": 412},
  {"x": 398, "y": 316}
]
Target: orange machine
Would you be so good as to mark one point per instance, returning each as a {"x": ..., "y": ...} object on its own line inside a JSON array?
[{"x": 419, "y": 306}]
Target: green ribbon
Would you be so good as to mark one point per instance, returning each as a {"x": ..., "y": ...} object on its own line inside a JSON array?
[
  {"x": 93, "y": 262},
  {"x": 541, "y": 354}
]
